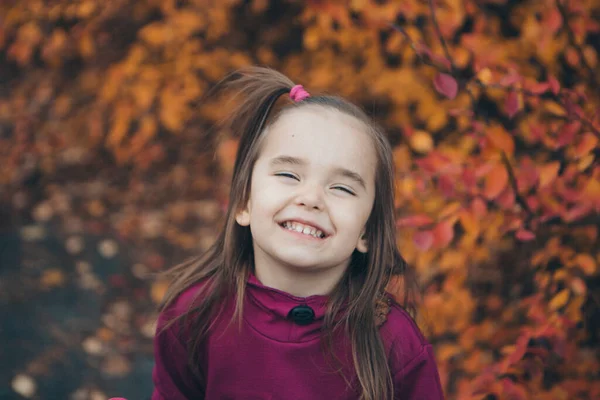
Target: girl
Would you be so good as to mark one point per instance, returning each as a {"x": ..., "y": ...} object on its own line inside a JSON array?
[{"x": 290, "y": 301}]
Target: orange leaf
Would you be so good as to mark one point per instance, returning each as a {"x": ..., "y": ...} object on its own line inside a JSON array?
[
  {"x": 586, "y": 262},
  {"x": 560, "y": 300},
  {"x": 468, "y": 222},
  {"x": 502, "y": 139},
  {"x": 592, "y": 189},
  {"x": 495, "y": 181},
  {"x": 548, "y": 173},
  {"x": 449, "y": 210}
]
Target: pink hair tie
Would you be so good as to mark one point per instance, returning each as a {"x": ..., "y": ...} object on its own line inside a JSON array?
[{"x": 298, "y": 93}]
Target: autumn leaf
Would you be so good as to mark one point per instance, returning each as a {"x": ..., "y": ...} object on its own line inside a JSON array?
[
  {"x": 501, "y": 139},
  {"x": 524, "y": 235},
  {"x": 423, "y": 240},
  {"x": 559, "y": 300},
  {"x": 586, "y": 144},
  {"x": 495, "y": 181},
  {"x": 587, "y": 263},
  {"x": 554, "y": 84},
  {"x": 421, "y": 142},
  {"x": 443, "y": 233},
  {"x": 511, "y": 103},
  {"x": 468, "y": 222},
  {"x": 446, "y": 84},
  {"x": 414, "y": 221},
  {"x": 548, "y": 173}
]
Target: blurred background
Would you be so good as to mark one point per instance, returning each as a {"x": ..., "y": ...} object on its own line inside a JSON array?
[{"x": 112, "y": 168}]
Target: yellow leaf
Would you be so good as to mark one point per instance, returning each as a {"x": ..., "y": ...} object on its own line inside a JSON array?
[
  {"x": 585, "y": 162},
  {"x": 485, "y": 75},
  {"x": 548, "y": 173},
  {"x": 554, "y": 108},
  {"x": 421, "y": 142},
  {"x": 120, "y": 125},
  {"x": 449, "y": 210},
  {"x": 559, "y": 300},
  {"x": 437, "y": 120}
]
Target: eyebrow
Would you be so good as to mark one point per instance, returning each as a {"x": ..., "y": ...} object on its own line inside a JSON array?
[{"x": 287, "y": 160}]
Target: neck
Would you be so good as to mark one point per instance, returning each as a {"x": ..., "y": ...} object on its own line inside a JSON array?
[{"x": 297, "y": 282}]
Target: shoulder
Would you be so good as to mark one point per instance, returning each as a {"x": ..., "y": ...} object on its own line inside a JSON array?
[{"x": 402, "y": 338}]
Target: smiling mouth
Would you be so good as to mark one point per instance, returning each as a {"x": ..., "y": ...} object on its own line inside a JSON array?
[{"x": 303, "y": 229}]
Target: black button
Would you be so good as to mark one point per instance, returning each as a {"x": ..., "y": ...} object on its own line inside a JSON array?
[{"x": 302, "y": 315}]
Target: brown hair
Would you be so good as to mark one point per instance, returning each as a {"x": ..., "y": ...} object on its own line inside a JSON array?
[{"x": 227, "y": 263}]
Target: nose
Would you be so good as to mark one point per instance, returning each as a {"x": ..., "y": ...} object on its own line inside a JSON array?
[{"x": 310, "y": 196}]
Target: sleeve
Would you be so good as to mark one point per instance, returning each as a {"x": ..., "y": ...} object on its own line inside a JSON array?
[
  {"x": 172, "y": 376},
  {"x": 419, "y": 378}
]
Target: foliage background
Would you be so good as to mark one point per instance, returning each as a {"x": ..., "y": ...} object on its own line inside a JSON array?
[{"x": 110, "y": 172}]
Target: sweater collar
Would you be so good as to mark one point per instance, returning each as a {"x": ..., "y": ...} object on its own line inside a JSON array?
[{"x": 268, "y": 311}]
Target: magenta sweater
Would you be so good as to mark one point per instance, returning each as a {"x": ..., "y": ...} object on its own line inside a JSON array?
[{"x": 275, "y": 358}]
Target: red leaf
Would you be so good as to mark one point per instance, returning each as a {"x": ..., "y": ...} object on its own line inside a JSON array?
[
  {"x": 554, "y": 84},
  {"x": 577, "y": 212},
  {"x": 539, "y": 87},
  {"x": 423, "y": 50},
  {"x": 554, "y": 21},
  {"x": 506, "y": 199},
  {"x": 568, "y": 132},
  {"x": 520, "y": 348},
  {"x": 443, "y": 233},
  {"x": 479, "y": 208},
  {"x": 446, "y": 85},
  {"x": 525, "y": 235},
  {"x": 509, "y": 79},
  {"x": 511, "y": 104},
  {"x": 414, "y": 221},
  {"x": 446, "y": 185},
  {"x": 468, "y": 177},
  {"x": 423, "y": 240}
]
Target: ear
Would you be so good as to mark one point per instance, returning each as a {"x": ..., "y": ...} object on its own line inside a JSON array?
[
  {"x": 362, "y": 244},
  {"x": 243, "y": 217}
]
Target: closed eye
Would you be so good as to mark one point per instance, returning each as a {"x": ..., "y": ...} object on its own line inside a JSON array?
[
  {"x": 345, "y": 190},
  {"x": 287, "y": 175}
]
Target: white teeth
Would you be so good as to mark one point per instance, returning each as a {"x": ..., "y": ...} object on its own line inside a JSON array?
[{"x": 307, "y": 230}]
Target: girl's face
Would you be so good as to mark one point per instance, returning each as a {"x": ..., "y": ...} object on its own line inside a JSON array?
[{"x": 315, "y": 174}]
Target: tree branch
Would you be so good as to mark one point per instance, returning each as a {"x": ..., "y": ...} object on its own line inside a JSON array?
[
  {"x": 442, "y": 40},
  {"x": 573, "y": 41},
  {"x": 513, "y": 183}
]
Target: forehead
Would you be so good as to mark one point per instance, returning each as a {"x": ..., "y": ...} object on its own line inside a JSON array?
[{"x": 325, "y": 137}]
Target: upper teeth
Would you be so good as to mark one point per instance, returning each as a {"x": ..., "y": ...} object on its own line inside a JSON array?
[{"x": 306, "y": 229}]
